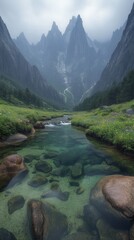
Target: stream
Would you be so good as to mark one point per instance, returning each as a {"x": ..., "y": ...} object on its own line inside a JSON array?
[{"x": 75, "y": 165}]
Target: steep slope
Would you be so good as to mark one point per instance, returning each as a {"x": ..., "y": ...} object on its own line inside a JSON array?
[
  {"x": 14, "y": 66},
  {"x": 122, "y": 60},
  {"x": 80, "y": 60}
]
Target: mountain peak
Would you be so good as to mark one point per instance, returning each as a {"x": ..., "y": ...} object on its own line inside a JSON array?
[
  {"x": 54, "y": 27},
  {"x": 79, "y": 20},
  {"x": 3, "y": 30}
]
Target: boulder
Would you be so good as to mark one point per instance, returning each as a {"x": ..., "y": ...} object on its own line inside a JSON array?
[
  {"x": 113, "y": 196},
  {"x": 10, "y": 167},
  {"x": 15, "y": 203},
  {"x": 45, "y": 222},
  {"x": 6, "y": 235}
]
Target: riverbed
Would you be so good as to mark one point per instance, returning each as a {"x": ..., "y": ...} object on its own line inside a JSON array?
[{"x": 77, "y": 163}]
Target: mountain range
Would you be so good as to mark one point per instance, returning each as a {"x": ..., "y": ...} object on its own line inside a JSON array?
[
  {"x": 71, "y": 60},
  {"x": 14, "y": 66},
  {"x": 74, "y": 65}
]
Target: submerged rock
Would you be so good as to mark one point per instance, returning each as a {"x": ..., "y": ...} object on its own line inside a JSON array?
[
  {"x": 113, "y": 196},
  {"x": 45, "y": 222},
  {"x": 6, "y": 235},
  {"x": 99, "y": 169},
  {"x": 43, "y": 166},
  {"x": 37, "y": 181},
  {"x": 10, "y": 167},
  {"x": 62, "y": 172},
  {"x": 63, "y": 196},
  {"x": 15, "y": 203}
]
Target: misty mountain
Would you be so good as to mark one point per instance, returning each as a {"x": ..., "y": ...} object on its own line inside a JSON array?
[
  {"x": 15, "y": 67},
  {"x": 122, "y": 60},
  {"x": 71, "y": 60}
]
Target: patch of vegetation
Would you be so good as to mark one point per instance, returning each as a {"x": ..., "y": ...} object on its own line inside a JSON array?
[
  {"x": 15, "y": 119},
  {"x": 117, "y": 94},
  {"x": 111, "y": 124}
]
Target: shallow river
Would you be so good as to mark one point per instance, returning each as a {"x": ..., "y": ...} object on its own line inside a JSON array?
[{"x": 76, "y": 164}]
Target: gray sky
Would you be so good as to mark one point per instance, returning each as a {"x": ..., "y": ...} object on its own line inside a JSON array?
[{"x": 34, "y": 17}]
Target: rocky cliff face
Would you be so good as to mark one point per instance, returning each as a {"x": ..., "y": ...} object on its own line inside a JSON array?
[
  {"x": 14, "y": 66},
  {"x": 122, "y": 60}
]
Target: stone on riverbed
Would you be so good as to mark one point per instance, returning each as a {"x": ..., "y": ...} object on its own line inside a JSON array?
[
  {"x": 15, "y": 203},
  {"x": 43, "y": 166},
  {"x": 45, "y": 222},
  {"x": 63, "y": 196},
  {"x": 37, "y": 181},
  {"x": 99, "y": 169}
]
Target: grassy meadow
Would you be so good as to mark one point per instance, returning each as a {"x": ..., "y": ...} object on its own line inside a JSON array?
[
  {"x": 110, "y": 124},
  {"x": 21, "y": 119}
]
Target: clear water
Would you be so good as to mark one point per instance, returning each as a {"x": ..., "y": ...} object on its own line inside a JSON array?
[{"x": 51, "y": 145}]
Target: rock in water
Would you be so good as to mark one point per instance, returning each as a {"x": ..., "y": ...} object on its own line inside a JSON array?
[
  {"x": 37, "y": 181},
  {"x": 63, "y": 196},
  {"x": 6, "y": 235},
  {"x": 16, "y": 138},
  {"x": 45, "y": 222},
  {"x": 43, "y": 166},
  {"x": 15, "y": 203},
  {"x": 10, "y": 167},
  {"x": 113, "y": 196}
]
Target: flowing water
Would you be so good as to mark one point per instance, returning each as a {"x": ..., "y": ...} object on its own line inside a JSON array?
[{"x": 62, "y": 147}]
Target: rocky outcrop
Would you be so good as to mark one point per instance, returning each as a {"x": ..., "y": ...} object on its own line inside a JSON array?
[
  {"x": 11, "y": 166},
  {"x": 45, "y": 222}
]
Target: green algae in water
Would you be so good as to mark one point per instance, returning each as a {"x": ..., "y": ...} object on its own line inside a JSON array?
[{"x": 62, "y": 147}]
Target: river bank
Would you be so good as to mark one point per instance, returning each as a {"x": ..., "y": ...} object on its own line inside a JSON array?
[{"x": 111, "y": 124}]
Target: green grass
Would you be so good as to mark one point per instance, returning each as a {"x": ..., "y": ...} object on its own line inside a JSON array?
[
  {"x": 20, "y": 119},
  {"x": 110, "y": 124}
]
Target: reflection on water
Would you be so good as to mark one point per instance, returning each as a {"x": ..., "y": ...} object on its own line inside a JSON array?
[{"x": 63, "y": 168}]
